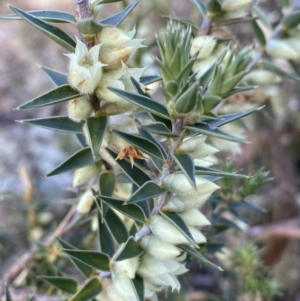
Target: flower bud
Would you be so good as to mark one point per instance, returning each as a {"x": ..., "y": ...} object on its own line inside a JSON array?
[
  {"x": 262, "y": 77},
  {"x": 279, "y": 48},
  {"x": 193, "y": 217},
  {"x": 159, "y": 249},
  {"x": 85, "y": 70},
  {"x": 174, "y": 204},
  {"x": 112, "y": 36},
  {"x": 85, "y": 174},
  {"x": 124, "y": 286},
  {"x": 127, "y": 267},
  {"x": 85, "y": 203},
  {"x": 179, "y": 184},
  {"x": 165, "y": 231},
  {"x": 196, "y": 148},
  {"x": 205, "y": 45},
  {"x": 199, "y": 238},
  {"x": 114, "y": 57},
  {"x": 79, "y": 109}
]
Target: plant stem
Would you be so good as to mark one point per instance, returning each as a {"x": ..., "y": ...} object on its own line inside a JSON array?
[{"x": 83, "y": 9}]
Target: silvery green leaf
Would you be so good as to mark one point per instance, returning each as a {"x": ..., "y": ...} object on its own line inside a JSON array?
[
  {"x": 186, "y": 164},
  {"x": 65, "y": 284},
  {"x": 86, "y": 270},
  {"x": 148, "y": 191},
  {"x": 58, "y": 123},
  {"x": 116, "y": 226},
  {"x": 180, "y": 225},
  {"x": 57, "y": 95},
  {"x": 105, "y": 237},
  {"x": 47, "y": 15},
  {"x": 96, "y": 127},
  {"x": 49, "y": 30},
  {"x": 97, "y": 260},
  {"x": 149, "y": 79},
  {"x": 131, "y": 210},
  {"x": 144, "y": 102},
  {"x": 138, "y": 284},
  {"x": 58, "y": 78},
  {"x": 90, "y": 290},
  {"x": 116, "y": 19},
  {"x": 131, "y": 249},
  {"x": 80, "y": 159},
  {"x": 158, "y": 128}
]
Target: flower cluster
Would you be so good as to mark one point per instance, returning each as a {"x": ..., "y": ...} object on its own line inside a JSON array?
[{"x": 92, "y": 70}]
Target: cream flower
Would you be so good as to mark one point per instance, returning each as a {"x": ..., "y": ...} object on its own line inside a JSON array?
[
  {"x": 85, "y": 70},
  {"x": 205, "y": 45}
]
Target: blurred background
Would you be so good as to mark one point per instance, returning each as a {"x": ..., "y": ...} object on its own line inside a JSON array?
[{"x": 31, "y": 206}]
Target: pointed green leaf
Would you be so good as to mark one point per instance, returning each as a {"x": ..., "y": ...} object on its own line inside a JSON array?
[
  {"x": 180, "y": 225},
  {"x": 188, "y": 99},
  {"x": 58, "y": 123},
  {"x": 131, "y": 210},
  {"x": 215, "y": 172},
  {"x": 105, "y": 238},
  {"x": 133, "y": 172},
  {"x": 131, "y": 249},
  {"x": 194, "y": 253},
  {"x": 246, "y": 205},
  {"x": 116, "y": 226},
  {"x": 116, "y": 19},
  {"x": 58, "y": 78},
  {"x": 224, "y": 119},
  {"x": 65, "y": 284},
  {"x": 149, "y": 79},
  {"x": 148, "y": 191},
  {"x": 96, "y": 129},
  {"x": 107, "y": 183},
  {"x": 60, "y": 94},
  {"x": 80, "y": 159},
  {"x": 97, "y": 260},
  {"x": 142, "y": 144},
  {"x": 49, "y": 30},
  {"x": 224, "y": 223},
  {"x": 86, "y": 270},
  {"x": 138, "y": 284},
  {"x": 47, "y": 15},
  {"x": 90, "y": 290},
  {"x": 149, "y": 137},
  {"x": 290, "y": 20},
  {"x": 215, "y": 132},
  {"x": 144, "y": 102},
  {"x": 186, "y": 164},
  {"x": 104, "y": 2},
  {"x": 82, "y": 140},
  {"x": 7, "y": 294},
  {"x": 258, "y": 34},
  {"x": 158, "y": 128}
]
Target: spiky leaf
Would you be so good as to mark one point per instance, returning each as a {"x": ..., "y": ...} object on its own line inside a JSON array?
[
  {"x": 130, "y": 210},
  {"x": 148, "y": 191},
  {"x": 86, "y": 270},
  {"x": 194, "y": 253},
  {"x": 158, "y": 128},
  {"x": 138, "y": 284},
  {"x": 58, "y": 78},
  {"x": 180, "y": 225},
  {"x": 97, "y": 260},
  {"x": 144, "y": 102},
  {"x": 149, "y": 79},
  {"x": 46, "y": 15},
  {"x": 58, "y": 123},
  {"x": 57, "y": 95},
  {"x": 80, "y": 159},
  {"x": 96, "y": 129},
  {"x": 186, "y": 164},
  {"x": 90, "y": 290},
  {"x": 131, "y": 249},
  {"x": 65, "y": 284},
  {"x": 54, "y": 33},
  {"x": 105, "y": 238},
  {"x": 116, "y": 19}
]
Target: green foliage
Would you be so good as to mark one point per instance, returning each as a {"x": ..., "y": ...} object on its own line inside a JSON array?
[{"x": 160, "y": 159}]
